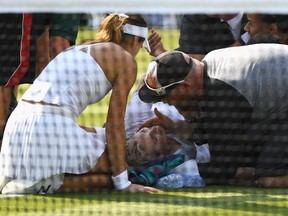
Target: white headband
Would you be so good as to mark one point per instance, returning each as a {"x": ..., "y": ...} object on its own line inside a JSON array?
[
  {"x": 120, "y": 15},
  {"x": 137, "y": 31}
]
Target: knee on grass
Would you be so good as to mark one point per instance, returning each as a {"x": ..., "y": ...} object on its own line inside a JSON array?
[{"x": 273, "y": 182}]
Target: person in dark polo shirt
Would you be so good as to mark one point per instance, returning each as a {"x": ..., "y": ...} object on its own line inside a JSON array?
[{"x": 202, "y": 33}]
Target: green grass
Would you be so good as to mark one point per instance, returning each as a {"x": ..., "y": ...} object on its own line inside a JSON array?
[{"x": 212, "y": 200}]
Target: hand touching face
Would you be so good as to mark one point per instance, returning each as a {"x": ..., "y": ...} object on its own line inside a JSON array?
[{"x": 153, "y": 141}]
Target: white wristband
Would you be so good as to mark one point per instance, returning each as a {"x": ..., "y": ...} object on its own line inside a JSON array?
[{"x": 121, "y": 181}]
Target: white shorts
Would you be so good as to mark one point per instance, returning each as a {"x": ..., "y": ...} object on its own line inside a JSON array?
[{"x": 43, "y": 141}]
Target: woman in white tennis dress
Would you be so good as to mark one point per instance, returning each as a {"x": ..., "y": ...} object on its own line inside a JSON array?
[{"x": 42, "y": 140}]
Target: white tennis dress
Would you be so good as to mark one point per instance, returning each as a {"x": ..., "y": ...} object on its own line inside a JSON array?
[{"x": 42, "y": 141}]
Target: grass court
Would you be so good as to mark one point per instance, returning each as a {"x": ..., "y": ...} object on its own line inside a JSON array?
[{"x": 211, "y": 200}]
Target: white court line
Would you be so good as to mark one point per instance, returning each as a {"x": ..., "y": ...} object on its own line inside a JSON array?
[{"x": 10, "y": 196}]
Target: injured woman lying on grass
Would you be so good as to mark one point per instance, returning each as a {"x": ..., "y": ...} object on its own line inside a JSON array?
[{"x": 160, "y": 159}]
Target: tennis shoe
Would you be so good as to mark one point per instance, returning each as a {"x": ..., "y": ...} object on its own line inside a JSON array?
[{"x": 23, "y": 186}]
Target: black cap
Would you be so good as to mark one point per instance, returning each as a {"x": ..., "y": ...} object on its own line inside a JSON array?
[{"x": 169, "y": 68}]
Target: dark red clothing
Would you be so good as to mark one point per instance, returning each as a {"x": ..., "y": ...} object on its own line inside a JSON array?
[
  {"x": 19, "y": 33},
  {"x": 15, "y": 47}
]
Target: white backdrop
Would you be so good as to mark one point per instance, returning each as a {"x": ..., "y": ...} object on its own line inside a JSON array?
[{"x": 145, "y": 6}]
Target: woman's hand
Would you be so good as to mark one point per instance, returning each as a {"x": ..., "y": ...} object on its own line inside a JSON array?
[
  {"x": 135, "y": 188},
  {"x": 89, "y": 129}
]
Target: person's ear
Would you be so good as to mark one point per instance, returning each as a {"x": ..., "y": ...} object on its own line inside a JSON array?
[
  {"x": 273, "y": 28},
  {"x": 186, "y": 84}
]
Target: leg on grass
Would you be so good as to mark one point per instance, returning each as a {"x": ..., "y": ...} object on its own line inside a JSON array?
[
  {"x": 273, "y": 182},
  {"x": 86, "y": 183},
  {"x": 99, "y": 177},
  {"x": 244, "y": 176}
]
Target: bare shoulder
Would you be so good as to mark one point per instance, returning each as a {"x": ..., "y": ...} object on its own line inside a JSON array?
[
  {"x": 110, "y": 53},
  {"x": 109, "y": 50},
  {"x": 113, "y": 59}
]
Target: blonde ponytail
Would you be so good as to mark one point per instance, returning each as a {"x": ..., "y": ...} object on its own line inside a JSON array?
[{"x": 110, "y": 29}]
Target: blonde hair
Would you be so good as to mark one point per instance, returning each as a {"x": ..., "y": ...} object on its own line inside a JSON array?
[
  {"x": 135, "y": 156},
  {"x": 110, "y": 29}
]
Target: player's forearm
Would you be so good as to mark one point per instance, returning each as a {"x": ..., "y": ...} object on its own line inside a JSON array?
[{"x": 116, "y": 145}]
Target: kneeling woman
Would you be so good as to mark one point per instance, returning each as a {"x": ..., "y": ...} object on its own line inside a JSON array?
[{"x": 42, "y": 141}]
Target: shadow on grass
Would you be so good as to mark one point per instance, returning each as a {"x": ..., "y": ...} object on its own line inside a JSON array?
[{"x": 248, "y": 199}]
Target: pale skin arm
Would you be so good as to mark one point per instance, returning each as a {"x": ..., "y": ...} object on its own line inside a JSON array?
[
  {"x": 120, "y": 68},
  {"x": 115, "y": 129}
]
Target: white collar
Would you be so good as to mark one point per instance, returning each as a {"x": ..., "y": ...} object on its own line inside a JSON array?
[{"x": 234, "y": 22}]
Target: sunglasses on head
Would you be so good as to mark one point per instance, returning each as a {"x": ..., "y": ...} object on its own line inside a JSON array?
[{"x": 161, "y": 90}]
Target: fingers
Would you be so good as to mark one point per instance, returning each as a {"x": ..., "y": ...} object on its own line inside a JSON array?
[
  {"x": 143, "y": 189},
  {"x": 88, "y": 129},
  {"x": 148, "y": 123},
  {"x": 164, "y": 121},
  {"x": 159, "y": 114},
  {"x": 154, "y": 35},
  {"x": 152, "y": 190},
  {"x": 134, "y": 188},
  {"x": 155, "y": 43},
  {"x": 154, "y": 39},
  {"x": 160, "y": 119}
]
